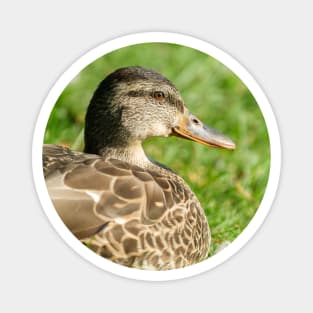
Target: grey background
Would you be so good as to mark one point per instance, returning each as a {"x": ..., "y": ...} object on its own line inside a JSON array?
[{"x": 39, "y": 40}]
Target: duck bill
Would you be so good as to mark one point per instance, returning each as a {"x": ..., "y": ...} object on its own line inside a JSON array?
[{"x": 190, "y": 127}]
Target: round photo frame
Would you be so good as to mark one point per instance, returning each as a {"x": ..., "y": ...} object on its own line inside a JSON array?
[{"x": 233, "y": 65}]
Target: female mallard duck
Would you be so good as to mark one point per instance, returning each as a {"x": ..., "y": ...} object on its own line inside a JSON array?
[{"x": 113, "y": 198}]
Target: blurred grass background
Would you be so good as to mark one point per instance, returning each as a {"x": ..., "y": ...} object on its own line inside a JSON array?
[{"x": 229, "y": 185}]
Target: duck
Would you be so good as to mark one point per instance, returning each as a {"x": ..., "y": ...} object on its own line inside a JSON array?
[{"x": 113, "y": 198}]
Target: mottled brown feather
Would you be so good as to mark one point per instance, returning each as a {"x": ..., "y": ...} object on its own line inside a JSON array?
[{"x": 138, "y": 218}]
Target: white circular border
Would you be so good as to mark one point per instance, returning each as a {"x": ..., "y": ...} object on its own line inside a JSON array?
[{"x": 234, "y": 66}]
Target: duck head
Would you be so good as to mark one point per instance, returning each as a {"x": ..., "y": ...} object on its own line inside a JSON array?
[{"x": 133, "y": 104}]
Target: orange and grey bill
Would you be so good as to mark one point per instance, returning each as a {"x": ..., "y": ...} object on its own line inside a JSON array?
[{"x": 190, "y": 127}]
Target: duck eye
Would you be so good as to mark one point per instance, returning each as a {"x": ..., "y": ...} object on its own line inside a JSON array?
[{"x": 158, "y": 95}]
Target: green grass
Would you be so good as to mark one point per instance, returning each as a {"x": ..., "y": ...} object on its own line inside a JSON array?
[{"x": 229, "y": 185}]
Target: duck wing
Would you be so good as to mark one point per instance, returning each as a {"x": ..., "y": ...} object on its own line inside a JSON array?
[{"x": 91, "y": 193}]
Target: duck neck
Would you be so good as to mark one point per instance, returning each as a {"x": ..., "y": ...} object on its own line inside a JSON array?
[{"x": 132, "y": 154}]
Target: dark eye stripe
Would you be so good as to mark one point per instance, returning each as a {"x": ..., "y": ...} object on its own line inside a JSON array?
[
  {"x": 179, "y": 105},
  {"x": 170, "y": 99},
  {"x": 137, "y": 93}
]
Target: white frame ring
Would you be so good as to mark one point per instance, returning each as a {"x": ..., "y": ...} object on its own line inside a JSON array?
[{"x": 233, "y": 65}]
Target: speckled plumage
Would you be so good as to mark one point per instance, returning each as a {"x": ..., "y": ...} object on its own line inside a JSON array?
[
  {"x": 139, "y": 218},
  {"x": 113, "y": 198}
]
